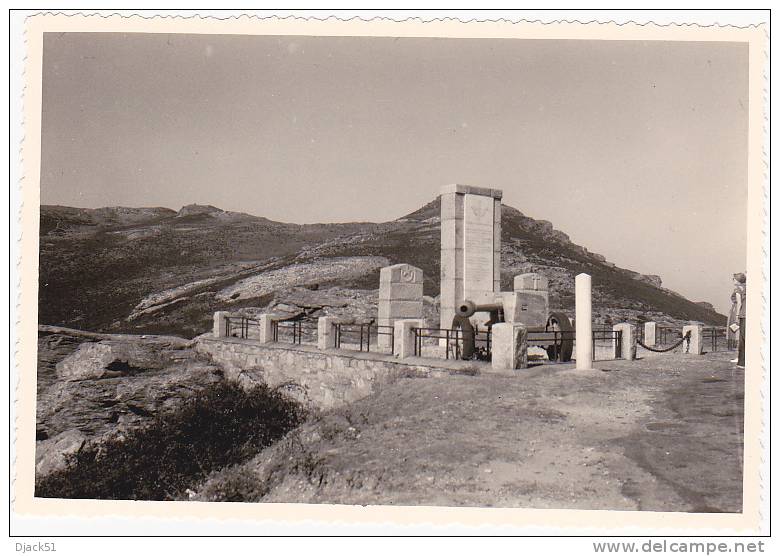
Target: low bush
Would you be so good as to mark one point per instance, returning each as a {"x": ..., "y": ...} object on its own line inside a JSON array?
[{"x": 220, "y": 426}]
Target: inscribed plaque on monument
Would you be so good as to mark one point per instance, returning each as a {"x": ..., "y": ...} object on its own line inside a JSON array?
[{"x": 477, "y": 244}]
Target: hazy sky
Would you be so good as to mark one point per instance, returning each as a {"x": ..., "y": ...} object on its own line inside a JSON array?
[{"x": 637, "y": 150}]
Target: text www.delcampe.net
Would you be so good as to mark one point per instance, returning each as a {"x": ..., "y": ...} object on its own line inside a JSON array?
[{"x": 682, "y": 547}]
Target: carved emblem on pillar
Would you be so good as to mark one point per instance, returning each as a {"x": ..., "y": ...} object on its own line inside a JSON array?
[{"x": 408, "y": 275}]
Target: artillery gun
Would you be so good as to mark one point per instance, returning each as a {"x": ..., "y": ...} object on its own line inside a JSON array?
[{"x": 528, "y": 305}]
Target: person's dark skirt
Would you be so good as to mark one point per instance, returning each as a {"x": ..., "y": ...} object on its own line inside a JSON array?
[{"x": 741, "y": 356}]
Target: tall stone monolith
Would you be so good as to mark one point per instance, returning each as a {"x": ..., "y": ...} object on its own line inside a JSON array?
[{"x": 470, "y": 246}]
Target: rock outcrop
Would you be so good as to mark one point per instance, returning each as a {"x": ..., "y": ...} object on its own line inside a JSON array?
[
  {"x": 655, "y": 280},
  {"x": 189, "y": 210},
  {"x": 92, "y": 386}
]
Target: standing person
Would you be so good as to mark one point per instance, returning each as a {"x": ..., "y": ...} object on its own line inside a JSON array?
[
  {"x": 732, "y": 324},
  {"x": 740, "y": 290}
]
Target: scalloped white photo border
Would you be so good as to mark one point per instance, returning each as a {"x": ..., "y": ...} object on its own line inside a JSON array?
[{"x": 751, "y": 520}]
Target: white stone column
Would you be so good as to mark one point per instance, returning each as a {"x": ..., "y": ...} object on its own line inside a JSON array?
[
  {"x": 627, "y": 341},
  {"x": 696, "y": 345},
  {"x": 509, "y": 346},
  {"x": 583, "y": 321},
  {"x": 403, "y": 336},
  {"x": 650, "y": 328},
  {"x": 220, "y": 324},
  {"x": 266, "y": 328},
  {"x": 326, "y": 332}
]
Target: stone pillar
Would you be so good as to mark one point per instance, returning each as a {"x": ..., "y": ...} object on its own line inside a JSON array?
[
  {"x": 326, "y": 332},
  {"x": 403, "y": 336},
  {"x": 696, "y": 345},
  {"x": 400, "y": 296},
  {"x": 650, "y": 328},
  {"x": 627, "y": 343},
  {"x": 266, "y": 328},
  {"x": 470, "y": 246},
  {"x": 583, "y": 322},
  {"x": 220, "y": 324},
  {"x": 509, "y": 346}
]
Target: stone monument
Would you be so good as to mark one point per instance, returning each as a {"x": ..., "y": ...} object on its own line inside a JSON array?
[
  {"x": 529, "y": 303},
  {"x": 400, "y": 296},
  {"x": 470, "y": 246}
]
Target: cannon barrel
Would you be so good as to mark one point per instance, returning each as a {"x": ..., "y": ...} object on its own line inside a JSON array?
[
  {"x": 467, "y": 308},
  {"x": 559, "y": 323}
]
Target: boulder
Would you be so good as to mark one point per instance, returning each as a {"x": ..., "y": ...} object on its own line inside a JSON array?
[
  {"x": 52, "y": 454},
  {"x": 88, "y": 361},
  {"x": 112, "y": 358}
]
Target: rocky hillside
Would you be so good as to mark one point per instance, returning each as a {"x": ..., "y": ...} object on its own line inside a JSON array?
[
  {"x": 94, "y": 386},
  {"x": 154, "y": 270}
]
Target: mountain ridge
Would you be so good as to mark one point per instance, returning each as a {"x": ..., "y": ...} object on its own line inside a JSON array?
[{"x": 153, "y": 269}]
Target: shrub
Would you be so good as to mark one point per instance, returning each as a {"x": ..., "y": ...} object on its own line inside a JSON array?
[
  {"x": 233, "y": 484},
  {"x": 220, "y": 426}
]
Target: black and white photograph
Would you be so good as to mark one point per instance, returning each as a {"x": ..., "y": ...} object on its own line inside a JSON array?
[{"x": 377, "y": 270}]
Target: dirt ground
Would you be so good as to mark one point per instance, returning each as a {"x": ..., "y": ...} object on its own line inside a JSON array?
[{"x": 661, "y": 433}]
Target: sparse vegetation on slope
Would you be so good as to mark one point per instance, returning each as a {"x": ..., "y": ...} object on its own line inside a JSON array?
[{"x": 223, "y": 425}]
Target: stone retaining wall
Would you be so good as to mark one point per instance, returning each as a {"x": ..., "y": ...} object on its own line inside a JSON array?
[{"x": 321, "y": 379}]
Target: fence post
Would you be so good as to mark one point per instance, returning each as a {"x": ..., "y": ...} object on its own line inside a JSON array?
[
  {"x": 695, "y": 345},
  {"x": 403, "y": 337},
  {"x": 509, "y": 346},
  {"x": 326, "y": 332},
  {"x": 266, "y": 328},
  {"x": 650, "y": 328},
  {"x": 627, "y": 342},
  {"x": 220, "y": 323}
]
